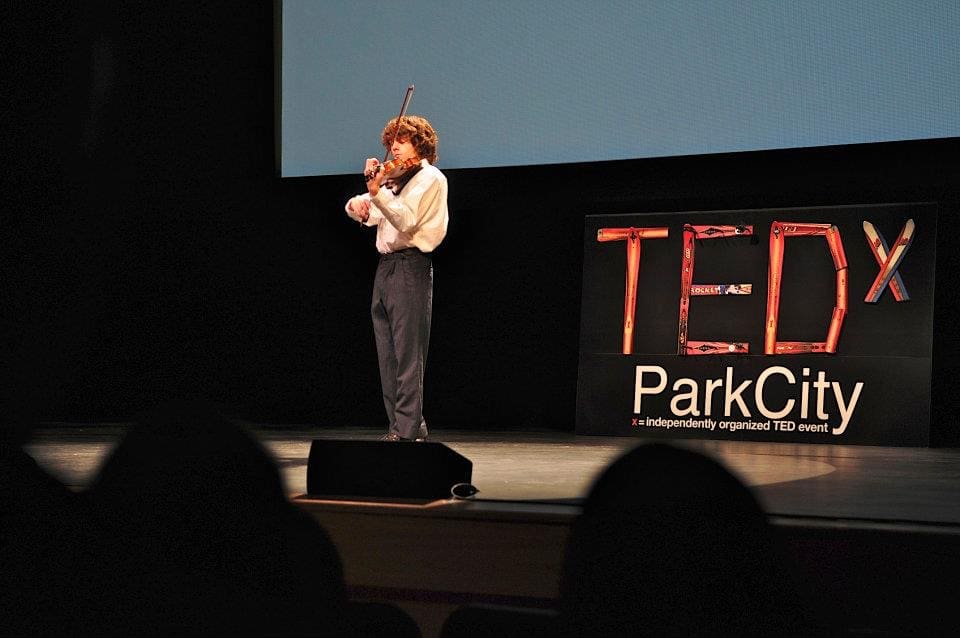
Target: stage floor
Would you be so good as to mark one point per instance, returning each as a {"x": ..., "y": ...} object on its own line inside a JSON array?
[{"x": 839, "y": 482}]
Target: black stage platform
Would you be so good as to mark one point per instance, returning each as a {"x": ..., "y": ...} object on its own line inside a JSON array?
[{"x": 875, "y": 530}]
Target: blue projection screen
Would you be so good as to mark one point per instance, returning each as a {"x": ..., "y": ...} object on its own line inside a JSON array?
[{"x": 519, "y": 82}]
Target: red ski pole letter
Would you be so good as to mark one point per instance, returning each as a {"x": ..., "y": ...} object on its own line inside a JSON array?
[
  {"x": 632, "y": 236},
  {"x": 779, "y": 231},
  {"x": 688, "y": 289}
]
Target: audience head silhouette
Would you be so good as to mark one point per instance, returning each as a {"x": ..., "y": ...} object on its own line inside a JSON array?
[
  {"x": 202, "y": 537},
  {"x": 671, "y": 543}
]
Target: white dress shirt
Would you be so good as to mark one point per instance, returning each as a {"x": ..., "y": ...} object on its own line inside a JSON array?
[{"x": 416, "y": 218}]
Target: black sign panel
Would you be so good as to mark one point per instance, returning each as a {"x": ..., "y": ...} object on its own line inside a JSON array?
[{"x": 795, "y": 325}]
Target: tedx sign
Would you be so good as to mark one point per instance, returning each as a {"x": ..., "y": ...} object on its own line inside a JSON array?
[{"x": 801, "y": 324}]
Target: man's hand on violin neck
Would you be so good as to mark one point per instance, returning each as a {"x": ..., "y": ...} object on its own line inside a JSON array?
[{"x": 372, "y": 169}]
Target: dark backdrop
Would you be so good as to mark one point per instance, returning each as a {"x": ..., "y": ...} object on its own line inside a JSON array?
[{"x": 149, "y": 249}]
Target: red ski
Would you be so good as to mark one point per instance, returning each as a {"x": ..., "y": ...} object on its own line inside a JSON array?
[{"x": 888, "y": 262}]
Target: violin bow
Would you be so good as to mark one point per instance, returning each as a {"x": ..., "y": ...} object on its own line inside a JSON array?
[{"x": 403, "y": 109}]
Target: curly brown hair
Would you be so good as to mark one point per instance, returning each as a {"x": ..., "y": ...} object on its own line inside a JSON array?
[{"x": 416, "y": 130}]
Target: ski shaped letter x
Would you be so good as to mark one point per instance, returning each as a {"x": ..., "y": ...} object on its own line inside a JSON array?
[{"x": 889, "y": 261}]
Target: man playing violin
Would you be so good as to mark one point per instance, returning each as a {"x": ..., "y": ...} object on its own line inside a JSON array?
[{"x": 406, "y": 200}]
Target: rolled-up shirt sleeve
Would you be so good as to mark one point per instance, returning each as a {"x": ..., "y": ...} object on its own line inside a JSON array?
[{"x": 373, "y": 218}]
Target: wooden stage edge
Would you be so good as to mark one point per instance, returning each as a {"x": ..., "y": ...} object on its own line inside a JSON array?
[{"x": 874, "y": 531}]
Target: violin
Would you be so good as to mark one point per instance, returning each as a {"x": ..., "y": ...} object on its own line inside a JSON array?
[{"x": 393, "y": 168}]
